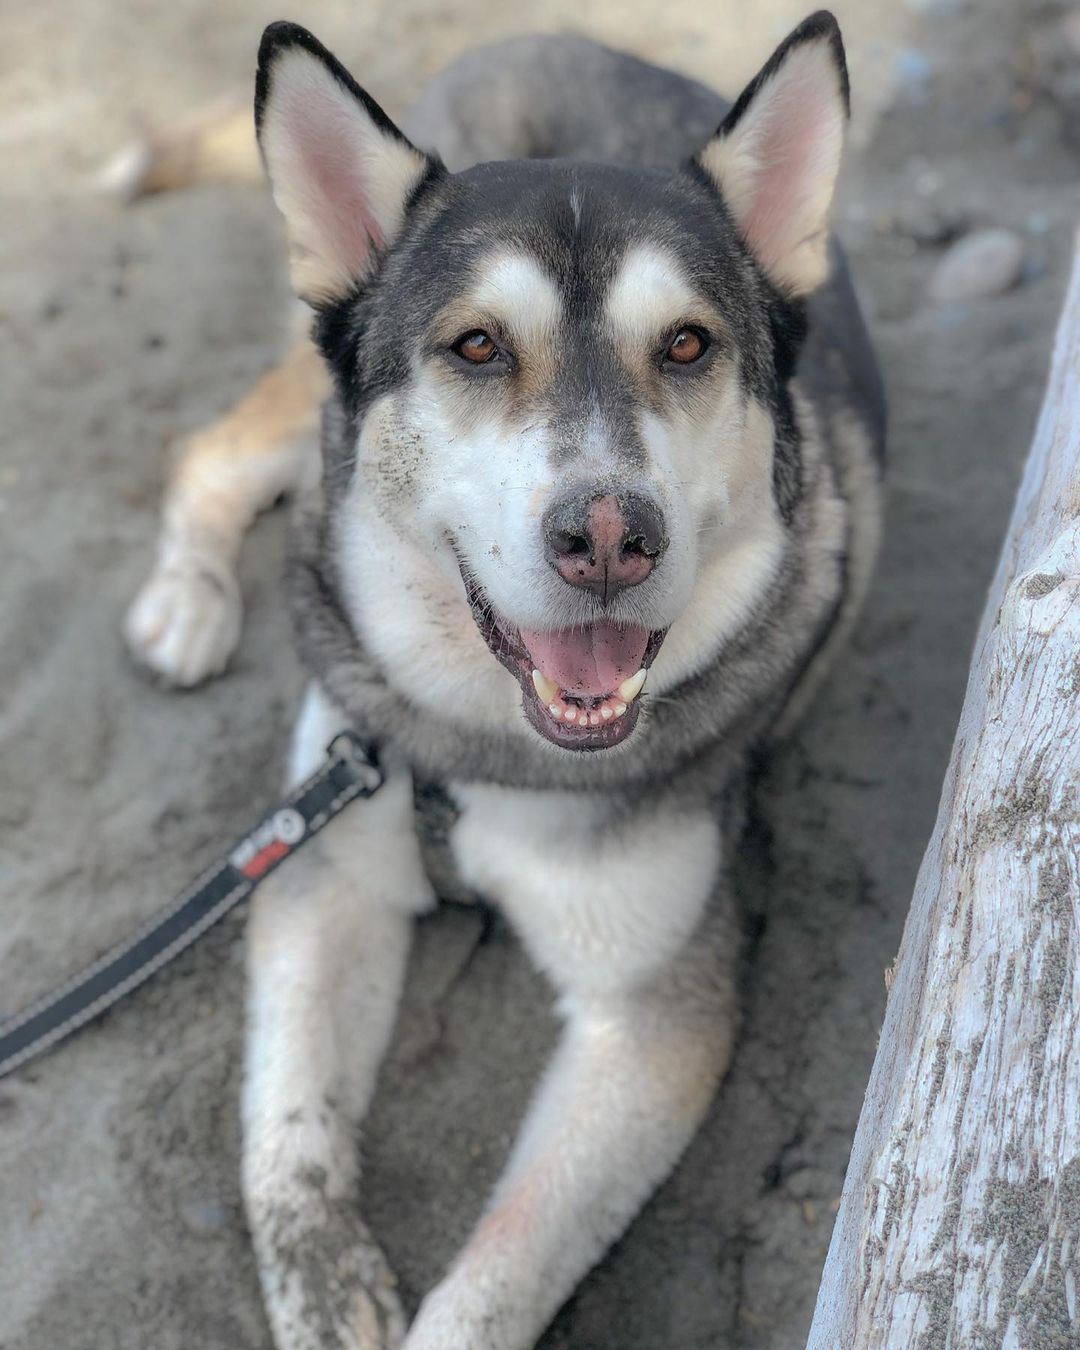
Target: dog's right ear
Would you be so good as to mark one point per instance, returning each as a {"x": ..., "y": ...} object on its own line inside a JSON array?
[{"x": 342, "y": 173}]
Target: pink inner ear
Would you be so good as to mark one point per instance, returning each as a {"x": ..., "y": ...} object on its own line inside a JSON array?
[
  {"x": 796, "y": 145},
  {"x": 331, "y": 144}
]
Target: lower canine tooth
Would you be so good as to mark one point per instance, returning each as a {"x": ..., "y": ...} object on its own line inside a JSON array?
[
  {"x": 545, "y": 690},
  {"x": 629, "y": 689}
]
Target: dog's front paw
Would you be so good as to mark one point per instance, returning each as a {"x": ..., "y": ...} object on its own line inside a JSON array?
[
  {"x": 462, "y": 1314},
  {"x": 329, "y": 1286},
  {"x": 184, "y": 624}
]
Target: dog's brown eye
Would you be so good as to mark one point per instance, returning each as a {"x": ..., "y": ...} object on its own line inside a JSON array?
[
  {"x": 688, "y": 345},
  {"x": 476, "y": 347}
]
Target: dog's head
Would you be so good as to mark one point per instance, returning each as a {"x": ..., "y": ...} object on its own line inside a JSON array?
[{"x": 571, "y": 433}]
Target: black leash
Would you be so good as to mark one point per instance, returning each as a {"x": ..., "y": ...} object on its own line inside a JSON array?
[{"x": 350, "y": 770}]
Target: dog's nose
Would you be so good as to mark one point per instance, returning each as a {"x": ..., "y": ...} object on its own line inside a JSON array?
[{"x": 604, "y": 543}]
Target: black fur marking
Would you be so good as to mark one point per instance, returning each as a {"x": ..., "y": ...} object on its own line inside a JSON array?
[{"x": 788, "y": 322}]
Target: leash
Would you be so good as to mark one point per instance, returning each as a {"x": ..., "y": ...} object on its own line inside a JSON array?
[{"x": 350, "y": 770}]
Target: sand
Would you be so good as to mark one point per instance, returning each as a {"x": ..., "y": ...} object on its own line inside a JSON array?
[{"x": 122, "y": 328}]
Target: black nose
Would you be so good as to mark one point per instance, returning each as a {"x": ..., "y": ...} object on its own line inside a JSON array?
[{"x": 603, "y": 542}]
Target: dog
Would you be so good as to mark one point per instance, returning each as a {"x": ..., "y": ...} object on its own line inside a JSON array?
[{"x": 599, "y": 500}]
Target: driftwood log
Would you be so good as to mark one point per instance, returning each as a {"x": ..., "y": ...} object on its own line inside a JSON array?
[{"x": 959, "y": 1225}]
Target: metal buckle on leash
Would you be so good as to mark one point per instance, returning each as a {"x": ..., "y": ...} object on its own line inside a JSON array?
[
  {"x": 350, "y": 770},
  {"x": 362, "y": 759}
]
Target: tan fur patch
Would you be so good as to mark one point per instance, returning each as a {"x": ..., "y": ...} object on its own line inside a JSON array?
[
  {"x": 648, "y": 299},
  {"x": 515, "y": 301}
]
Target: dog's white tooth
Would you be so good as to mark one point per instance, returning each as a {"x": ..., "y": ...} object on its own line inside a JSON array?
[
  {"x": 570, "y": 714},
  {"x": 545, "y": 690},
  {"x": 620, "y": 708},
  {"x": 594, "y": 719},
  {"x": 606, "y": 713},
  {"x": 555, "y": 711},
  {"x": 629, "y": 689}
]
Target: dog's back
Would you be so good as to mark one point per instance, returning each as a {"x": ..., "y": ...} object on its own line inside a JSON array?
[{"x": 563, "y": 97}]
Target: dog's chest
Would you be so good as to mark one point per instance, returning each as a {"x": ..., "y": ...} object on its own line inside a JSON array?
[{"x": 599, "y": 897}]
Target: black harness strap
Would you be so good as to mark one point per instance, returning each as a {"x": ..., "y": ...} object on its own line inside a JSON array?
[{"x": 350, "y": 770}]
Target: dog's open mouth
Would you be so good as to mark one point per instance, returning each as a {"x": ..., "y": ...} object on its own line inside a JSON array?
[{"x": 580, "y": 686}]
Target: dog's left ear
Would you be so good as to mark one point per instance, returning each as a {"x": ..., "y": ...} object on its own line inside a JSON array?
[
  {"x": 776, "y": 156},
  {"x": 343, "y": 175}
]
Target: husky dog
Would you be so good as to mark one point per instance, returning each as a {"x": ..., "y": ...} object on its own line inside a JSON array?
[{"x": 599, "y": 496}]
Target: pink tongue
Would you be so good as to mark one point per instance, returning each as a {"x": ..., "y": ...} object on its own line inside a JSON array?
[{"x": 592, "y": 661}]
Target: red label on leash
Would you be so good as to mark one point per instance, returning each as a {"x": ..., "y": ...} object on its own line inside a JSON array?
[
  {"x": 265, "y": 859},
  {"x": 269, "y": 843}
]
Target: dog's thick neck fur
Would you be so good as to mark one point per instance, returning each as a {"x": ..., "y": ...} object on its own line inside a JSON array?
[{"x": 709, "y": 721}]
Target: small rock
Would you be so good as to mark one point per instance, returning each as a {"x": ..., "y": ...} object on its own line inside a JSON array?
[
  {"x": 808, "y": 1183},
  {"x": 204, "y": 1213},
  {"x": 928, "y": 225},
  {"x": 983, "y": 263},
  {"x": 1034, "y": 270},
  {"x": 914, "y": 71},
  {"x": 949, "y": 317},
  {"x": 1038, "y": 222}
]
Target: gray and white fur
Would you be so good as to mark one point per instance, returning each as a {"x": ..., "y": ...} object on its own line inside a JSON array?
[{"x": 602, "y": 395}]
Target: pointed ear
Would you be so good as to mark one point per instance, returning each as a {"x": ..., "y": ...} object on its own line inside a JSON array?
[
  {"x": 777, "y": 154},
  {"x": 342, "y": 173}
]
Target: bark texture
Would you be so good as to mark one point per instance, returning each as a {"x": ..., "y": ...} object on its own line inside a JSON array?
[{"x": 959, "y": 1226}]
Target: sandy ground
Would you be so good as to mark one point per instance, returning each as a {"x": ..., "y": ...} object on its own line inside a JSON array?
[{"x": 121, "y": 328}]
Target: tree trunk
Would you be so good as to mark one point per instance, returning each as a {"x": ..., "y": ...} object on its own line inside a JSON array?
[{"x": 959, "y": 1226}]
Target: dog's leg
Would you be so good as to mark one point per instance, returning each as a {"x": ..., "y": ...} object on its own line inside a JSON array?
[
  {"x": 215, "y": 144},
  {"x": 646, "y": 1042},
  {"x": 185, "y": 622},
  {"x": 327, "y": 945}
]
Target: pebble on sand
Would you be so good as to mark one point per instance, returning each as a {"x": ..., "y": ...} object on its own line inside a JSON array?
[
  {"x": 983, "y": 263},
  {"x": 203, "y": 1213}
]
